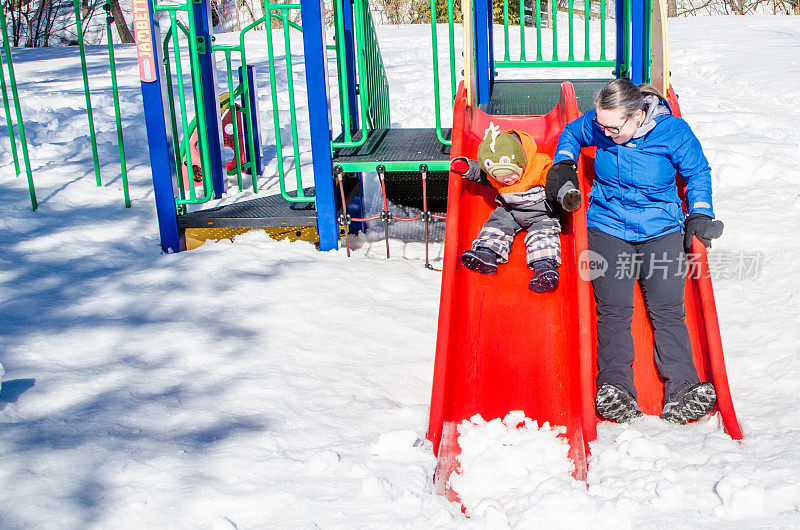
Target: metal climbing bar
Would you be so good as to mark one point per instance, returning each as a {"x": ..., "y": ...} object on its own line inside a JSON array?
[
  {"x": 179, "y": 153},
  {"x": 452, "y": 47},
  {"x": 232, "y": 109},
  {"x": 9, "y": 123},
  {"x": 18, "y": 111},
  {"x": 247, "y": 111},
  {"x": 117, "y": 116},
  {"x": 82, "y": 49},
  {"x": 340, "y": 47}
]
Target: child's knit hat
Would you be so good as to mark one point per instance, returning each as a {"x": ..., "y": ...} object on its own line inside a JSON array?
[{"x": 501, "y": 153}]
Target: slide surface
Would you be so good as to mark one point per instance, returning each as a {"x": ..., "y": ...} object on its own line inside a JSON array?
[{"x": 501, "y": 347}]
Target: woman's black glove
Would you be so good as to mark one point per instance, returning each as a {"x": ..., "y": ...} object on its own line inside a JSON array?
[
  {"x": 702, "y": 226},
  {"x": 562, "y": 185}
]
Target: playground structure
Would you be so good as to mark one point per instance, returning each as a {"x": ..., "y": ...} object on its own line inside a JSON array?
[
  {"x": 546, "y": 368},
  {"x": 358, "y": 140}
]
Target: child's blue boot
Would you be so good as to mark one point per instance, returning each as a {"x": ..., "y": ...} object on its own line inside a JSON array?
[
  {"x": 480, "y": 260},
  {"x": 545, "y": 276}
]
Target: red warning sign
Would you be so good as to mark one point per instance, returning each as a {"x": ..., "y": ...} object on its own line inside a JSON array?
[{"x": 142, "y": 31}]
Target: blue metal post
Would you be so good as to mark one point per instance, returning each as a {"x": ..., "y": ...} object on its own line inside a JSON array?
[
  {"x": 208, "y": 74},
  {"x": 253, "y": 124},
  {"x": 159, "y": 139},
  {"x": 319, "y": 122},
  {"x": 492, "y": 71},
  {"x": 482, "y": 68},
  {"x": 622, "y": 36},
  {"x": 638, "y": 41}
]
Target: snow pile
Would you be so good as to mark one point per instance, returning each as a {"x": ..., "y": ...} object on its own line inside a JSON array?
[
  {"x": 512, "y": 455},
  {"x": 514, "y": 473}
]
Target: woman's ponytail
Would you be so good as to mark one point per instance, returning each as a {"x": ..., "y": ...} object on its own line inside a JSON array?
[{"x": 649, "y": 90}]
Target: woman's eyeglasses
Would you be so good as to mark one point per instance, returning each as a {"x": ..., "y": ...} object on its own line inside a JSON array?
[{"x": 612, "y": 130}]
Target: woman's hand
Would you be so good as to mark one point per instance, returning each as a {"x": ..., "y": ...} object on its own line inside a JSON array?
[
  {"x": 560, "y": 175},
  {"x": 702, "y": 226}
]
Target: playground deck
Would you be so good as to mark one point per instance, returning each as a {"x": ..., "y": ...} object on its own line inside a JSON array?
[
  {"x": 538, "y": 97},
  {"x": 270, "y": 211},
  {"x": 396, "y": 150}
]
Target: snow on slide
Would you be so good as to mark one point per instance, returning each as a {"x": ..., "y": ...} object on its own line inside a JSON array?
[{"x": 503, "y": 348}]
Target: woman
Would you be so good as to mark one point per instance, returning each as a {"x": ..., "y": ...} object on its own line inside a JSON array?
[{"x": 636, "y": 223}]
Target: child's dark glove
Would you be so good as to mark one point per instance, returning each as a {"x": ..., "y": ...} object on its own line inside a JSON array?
[
  {"x": 562, "y": 185},
  {"x": 702, "y": 226},
  {"x": 469, "y": 169}
]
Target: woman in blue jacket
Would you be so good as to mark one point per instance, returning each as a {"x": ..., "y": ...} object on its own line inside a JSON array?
[{"x": 636, "y": 223}]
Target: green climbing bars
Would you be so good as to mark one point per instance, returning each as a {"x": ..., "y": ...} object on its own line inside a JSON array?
[
  {"x": 544, "y": 20},
  {"x": 197, "y": 97},
  {"x": 15, "y": 94},
  {"x": 372, "y": 86}
]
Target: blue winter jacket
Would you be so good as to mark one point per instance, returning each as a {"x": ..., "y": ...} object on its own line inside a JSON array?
[{"x": 634, "y": 196}]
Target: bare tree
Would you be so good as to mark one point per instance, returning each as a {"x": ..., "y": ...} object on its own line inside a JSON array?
[
  {"x": 672, "y": 8},
  {"x": 119, "y": 21},
  {"x": 45, "y": 22}
]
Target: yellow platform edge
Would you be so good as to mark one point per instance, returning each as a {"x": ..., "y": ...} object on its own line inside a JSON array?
[{"x": 195, "y": 237}]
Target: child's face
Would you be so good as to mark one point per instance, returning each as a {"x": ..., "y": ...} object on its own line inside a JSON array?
[{"x": 506, "y": 177}]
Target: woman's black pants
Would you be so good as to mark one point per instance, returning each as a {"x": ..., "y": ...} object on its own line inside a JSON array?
[{"x": 660, "y": 266}]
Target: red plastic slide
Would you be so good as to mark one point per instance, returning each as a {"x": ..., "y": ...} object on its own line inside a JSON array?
[{"x": 501, "y": 347}]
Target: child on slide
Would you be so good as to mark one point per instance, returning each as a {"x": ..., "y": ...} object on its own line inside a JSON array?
[{"x": 509, "y": 162}]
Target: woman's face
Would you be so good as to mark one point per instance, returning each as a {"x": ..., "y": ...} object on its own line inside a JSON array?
[{"x": 616, "y": 126}]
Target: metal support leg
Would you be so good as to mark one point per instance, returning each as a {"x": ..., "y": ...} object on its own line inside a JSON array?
[
  {"x": 426, "y": 215},
  {"x": 385, "y": 215},
  {"x": 344, "y": 217}
]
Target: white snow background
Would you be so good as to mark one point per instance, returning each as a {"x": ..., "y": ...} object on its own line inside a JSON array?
[{"x": 264, "y": 384}]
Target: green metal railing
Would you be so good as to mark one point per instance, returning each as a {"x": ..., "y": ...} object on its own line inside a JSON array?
[
  {"x": 546, "y": 11},
  {"x": 452, "y": 55},
  {"x": 189, "y": 196},
  {"x": 374, "y": 82},
  {"x": 372, "y": 87},
  {"x": 237, "y": 91},
  {"x": 282, "y": 14}
]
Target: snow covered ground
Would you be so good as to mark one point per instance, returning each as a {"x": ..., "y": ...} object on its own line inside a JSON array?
[{"x": 262, "y": 384}]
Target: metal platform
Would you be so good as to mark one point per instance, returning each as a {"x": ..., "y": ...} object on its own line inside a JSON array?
[
  {"x": 537, "y": 97},
  {"x": 396, "y": 150},
  {"x": 270, "y": 211}
]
